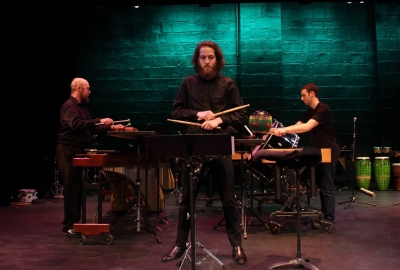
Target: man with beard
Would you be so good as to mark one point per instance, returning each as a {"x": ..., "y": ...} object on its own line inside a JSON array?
[
  {"x": 74, "y": 136},
  {"x": 201, "y": 96}
]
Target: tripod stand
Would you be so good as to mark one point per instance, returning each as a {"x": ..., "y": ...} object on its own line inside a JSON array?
[
  {"x": 141, "y": 212},
  {"x": 352, "y": 198},
  {"x": 191, "y": 146},
  {"x": 56, "y": 188},
  {"x": 176, "y": 191}
]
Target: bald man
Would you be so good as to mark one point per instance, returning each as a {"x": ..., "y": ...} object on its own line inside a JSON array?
[{"x": 74, "y": 136}]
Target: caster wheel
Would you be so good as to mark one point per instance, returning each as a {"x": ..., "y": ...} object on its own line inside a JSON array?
[
  {"x": 275, "y": 228},
  {"x": 214, "y": 228},
  {"x": 108, "y": 239},
  {"x": 82, "y": 239},
  {"x": 326, "y": 226}
]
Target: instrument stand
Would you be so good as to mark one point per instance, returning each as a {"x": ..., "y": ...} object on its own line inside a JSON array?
[
  {"x": 347, "y": 173},
  {"x": 298, "y": 261},
  {"x": 186, "y": 256},
  {"x": 191, "y": 146},
  {"x": 352, "y": 198},
  {"x": 140, "y": 211},
  {"x": 244, "y": 206},
  {"x": 56, "y": 188},
  {"x": 176, "y": 191}
]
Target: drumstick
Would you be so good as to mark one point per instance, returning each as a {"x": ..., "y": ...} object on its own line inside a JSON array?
[
  {"x": 366, "y": 191},
  {"x": 230, "y": 110},
  {"x": 119, "y": 121},
  {"x": 188, "y": 123}
]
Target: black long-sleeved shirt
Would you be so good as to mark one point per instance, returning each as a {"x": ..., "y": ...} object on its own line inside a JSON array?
[
  {"x": 217, "y": 95},
  {"x": 77, "y": 125}
]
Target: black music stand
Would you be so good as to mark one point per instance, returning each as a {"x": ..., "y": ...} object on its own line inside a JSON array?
[
  {"x": 191, "y": 146},
  {"x": 138, "y": 136},
  {"x": 295, "y": 159}
]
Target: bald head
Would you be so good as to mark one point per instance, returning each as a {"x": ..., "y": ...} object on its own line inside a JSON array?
[
  {"x": 77, "y": 82},
  {"x": 80, "y": 89}
]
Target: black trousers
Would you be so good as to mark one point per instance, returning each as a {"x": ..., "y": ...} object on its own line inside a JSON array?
[
  {"x": 222, "y": 175},
  {"x": 71, "y": 177}
]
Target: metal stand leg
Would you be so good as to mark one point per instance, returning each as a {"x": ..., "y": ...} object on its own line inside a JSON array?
[
  {"x": 186, "y": 256},
  {"x": 176, "y": 191},
  {"x": 298, "y": 261},
  {"x": 352, "y": 198}
]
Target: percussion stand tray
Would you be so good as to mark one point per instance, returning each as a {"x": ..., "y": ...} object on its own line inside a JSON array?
[
  {"x": 191, "y": 146},
  {"x": 141, "y": 212}
]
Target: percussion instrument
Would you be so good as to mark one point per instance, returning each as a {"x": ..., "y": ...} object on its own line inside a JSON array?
[
  {"x": 363, "y": 172},
  {"x": 27, "y": 195},
  {"x": 260, "y": 122},
  {"x": 377, "y": 150},
  {"x": 382, "y": 172},
  {"x": 386, "y": 150},
  {"x": 396, "y": 173},
  {"x": 286, "y": 141}
]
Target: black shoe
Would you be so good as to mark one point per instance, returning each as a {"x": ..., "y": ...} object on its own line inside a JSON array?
[
  {"x": 238, "y": 255},
  {"x": 174, "y": 254},
  {"x": 69, "y": 232}
]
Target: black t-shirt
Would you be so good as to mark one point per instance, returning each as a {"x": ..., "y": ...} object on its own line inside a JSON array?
[{"x": 323, "y": 135}]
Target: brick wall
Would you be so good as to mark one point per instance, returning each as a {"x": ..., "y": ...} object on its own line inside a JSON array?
[{"x": 135, "y": 60}]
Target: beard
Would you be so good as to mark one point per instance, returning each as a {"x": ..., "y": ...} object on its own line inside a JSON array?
[
  {"x": 208, "y": 75},
  {"x": 85, "y": 100}
]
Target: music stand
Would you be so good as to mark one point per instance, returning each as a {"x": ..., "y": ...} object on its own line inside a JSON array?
[
  {"x": 137, "y": 135},
  {"x": 295, "y": 159},
  {"x": 191, "y": 146}
]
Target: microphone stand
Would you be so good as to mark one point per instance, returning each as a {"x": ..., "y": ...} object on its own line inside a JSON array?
[{"x": 352, "y": 198}]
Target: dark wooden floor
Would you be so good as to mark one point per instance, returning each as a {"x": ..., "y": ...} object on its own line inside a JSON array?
[{"x": 364, "y": 237}]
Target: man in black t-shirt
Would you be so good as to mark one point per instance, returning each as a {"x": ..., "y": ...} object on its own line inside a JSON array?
[{"x": 318, "y": 121}]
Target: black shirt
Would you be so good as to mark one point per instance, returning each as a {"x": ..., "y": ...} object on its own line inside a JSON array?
[
  {"x": 77, "y": 125},
  {"x": 220, "y": 94},
  {"x": 323, "y": 135}
]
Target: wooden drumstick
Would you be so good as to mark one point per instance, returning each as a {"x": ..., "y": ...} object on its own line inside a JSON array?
[
  {"x": 188, "y": 123},
  {"x": 366, "y": 191},
  {"x": 119, "y": 121},
  {"x": 230, "y": 110}
]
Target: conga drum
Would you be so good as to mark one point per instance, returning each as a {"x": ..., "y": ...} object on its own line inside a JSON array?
[
  {"x": 377, "y": 150},
  {"x": 396, "y": 173},
  {"x": 382, "y": 172},
  {"x": 363, "y": 172},
  {"x": 386, "y": 150}
]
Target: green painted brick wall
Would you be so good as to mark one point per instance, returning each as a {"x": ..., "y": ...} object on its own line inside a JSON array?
[{"x": 135, "y": 60}]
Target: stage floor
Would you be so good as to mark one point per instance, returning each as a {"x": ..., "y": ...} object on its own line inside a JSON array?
[{"x": 364, "y": 237}]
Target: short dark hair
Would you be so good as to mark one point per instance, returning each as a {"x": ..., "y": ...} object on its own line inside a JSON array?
[
  {"x": 311, "y": 87},
  {"x": 218, "y": 54}
]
